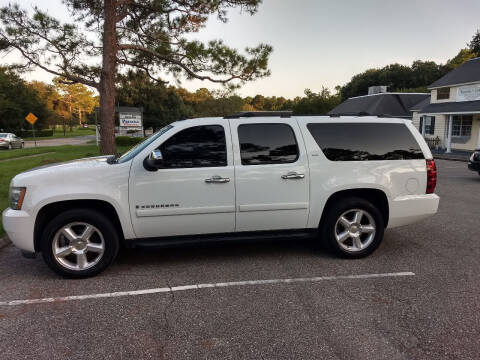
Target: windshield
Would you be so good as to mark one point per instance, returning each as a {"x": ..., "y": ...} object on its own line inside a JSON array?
[{"x": 130, "y": 154}]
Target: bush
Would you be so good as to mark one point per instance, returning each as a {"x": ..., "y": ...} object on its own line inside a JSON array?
[
  {"x": 38, "y": 133},
  {"x": 127, "y": 140}
]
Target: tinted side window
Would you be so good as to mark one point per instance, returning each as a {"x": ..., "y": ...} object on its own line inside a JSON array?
[
  {"x": 198, "y": 146},
  {"x": 360, "y": 142},
  {"x": 267, "y": 144}
]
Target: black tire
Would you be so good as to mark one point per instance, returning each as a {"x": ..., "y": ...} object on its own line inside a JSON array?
[
  {"x": 108, "y": 231},
  {"x": 329, "y": 227}
]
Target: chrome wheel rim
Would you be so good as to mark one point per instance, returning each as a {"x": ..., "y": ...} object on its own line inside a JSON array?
[
  {"x": 78, "y": 246},
  {"x": 355, "y": 230}
]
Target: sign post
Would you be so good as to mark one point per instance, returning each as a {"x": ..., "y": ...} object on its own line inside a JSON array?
[{"x": 32, "y": 119}]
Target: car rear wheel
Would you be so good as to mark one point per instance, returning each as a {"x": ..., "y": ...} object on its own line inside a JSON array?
[
  {"x": 353, "y": 228},
  {"x": 79, "y": 243}
]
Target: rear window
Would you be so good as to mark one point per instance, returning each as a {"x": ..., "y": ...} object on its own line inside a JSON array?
[{"x": 363, "y": 141}]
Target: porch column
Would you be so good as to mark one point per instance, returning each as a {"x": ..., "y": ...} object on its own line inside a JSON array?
[
  {"x": 449, "y": 136},
  {"x": 423, "y": 125}
]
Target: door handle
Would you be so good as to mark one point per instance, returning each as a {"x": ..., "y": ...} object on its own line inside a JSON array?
[
  {"x": 217, "y": 180},
  {"x": 293, "y": 175}
]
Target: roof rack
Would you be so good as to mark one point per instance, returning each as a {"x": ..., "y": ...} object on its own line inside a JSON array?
[{"x": 251, "y": 114}]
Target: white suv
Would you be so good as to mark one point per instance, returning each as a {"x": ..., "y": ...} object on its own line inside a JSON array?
[{"x": 343, "y": 180}]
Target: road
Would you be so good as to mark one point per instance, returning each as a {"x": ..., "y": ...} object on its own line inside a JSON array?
[
  {"x": 433, "y": 313},
  {"x": 78, "y": 140}
]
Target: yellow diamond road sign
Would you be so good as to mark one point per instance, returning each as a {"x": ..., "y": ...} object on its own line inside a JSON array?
[{"x": 31, "y": 118}]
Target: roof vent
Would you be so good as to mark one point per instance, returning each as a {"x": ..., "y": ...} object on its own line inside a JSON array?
[{"x": 377, "y": 90}]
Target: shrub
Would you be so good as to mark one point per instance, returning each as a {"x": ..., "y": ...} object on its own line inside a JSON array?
[
  {"x": 38, "y": 133},
  {"x": 127, "y": 140}
]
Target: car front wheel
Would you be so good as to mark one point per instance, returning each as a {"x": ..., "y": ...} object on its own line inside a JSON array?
[
  {"x": 353, "y": 228},
  {"x": 79, "y": 243}
]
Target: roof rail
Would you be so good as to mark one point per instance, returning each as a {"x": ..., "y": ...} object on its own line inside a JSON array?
[{"x": 250, "y": 114}]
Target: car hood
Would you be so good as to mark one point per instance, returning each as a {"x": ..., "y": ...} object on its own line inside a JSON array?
[{"x": 80, "y": 167}]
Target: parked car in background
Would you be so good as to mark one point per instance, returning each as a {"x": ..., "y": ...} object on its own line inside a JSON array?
[
  {"x": 10, "y": 141},
  {"x": 342, "y": 181},
  {"x": 474, "y": 161}
]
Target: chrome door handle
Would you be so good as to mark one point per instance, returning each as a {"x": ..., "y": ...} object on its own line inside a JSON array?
[
  {"x": 293, "y": 175},
  {"x": 217, "y": 180}
]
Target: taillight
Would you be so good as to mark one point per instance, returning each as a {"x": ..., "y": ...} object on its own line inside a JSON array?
[{"x": 431, "y": 176}]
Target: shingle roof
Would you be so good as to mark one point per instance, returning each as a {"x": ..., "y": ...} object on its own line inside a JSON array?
[
  {"x": 384, "y": 104},
  {"x": 466, "y": 73},
  {"x": 449, "y": 107},
  {"x": 419, "y": 106}
]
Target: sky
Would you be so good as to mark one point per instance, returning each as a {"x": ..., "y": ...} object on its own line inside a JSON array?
[{"x": 325, "y": 42}]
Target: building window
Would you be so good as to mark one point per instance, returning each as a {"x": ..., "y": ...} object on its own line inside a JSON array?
[
  {"x": 429, "y": 124},
  {"x": 443, "y": 93},
  {"x": 462, "y": 125}
]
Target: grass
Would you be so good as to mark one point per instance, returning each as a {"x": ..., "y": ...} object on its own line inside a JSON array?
[
  {"x": 19, "y": 161},
  {"x": 58, "y": 133}
]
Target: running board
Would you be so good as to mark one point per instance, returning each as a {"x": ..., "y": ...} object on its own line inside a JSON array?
[{"x": 185, "y": 240}]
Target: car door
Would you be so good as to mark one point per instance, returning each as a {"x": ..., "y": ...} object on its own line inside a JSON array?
[
  {"x": 271, "y": 174},
  {"x": 194, "y": 193},
  {"x": 16, "y": 141}
]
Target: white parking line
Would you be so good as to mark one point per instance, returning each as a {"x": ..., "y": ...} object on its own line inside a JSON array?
[{"x": 199, "y": 286}]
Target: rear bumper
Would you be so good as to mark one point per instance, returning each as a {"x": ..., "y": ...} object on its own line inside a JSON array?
[
  {"x": 19, "y": 226},
  {"x": 474, "y": 166},
  {"x": 409, "y": 209}
]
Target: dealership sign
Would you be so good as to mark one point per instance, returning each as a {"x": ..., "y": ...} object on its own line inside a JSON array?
[
  {"x": 132, "y": 120},
  {"x": 468, "y": 93}
]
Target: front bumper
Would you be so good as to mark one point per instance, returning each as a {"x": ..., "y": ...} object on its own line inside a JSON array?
[
  {"x": 410, "y": 209},
  {"x": 474, "y": 166},
  {"x": 19, "y": 225}
]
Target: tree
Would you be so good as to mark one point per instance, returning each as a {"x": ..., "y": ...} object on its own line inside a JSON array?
[
  {"x": 78, "y": 99},
  {"x": 149, "y": 35},
  {"x": 316, "y": 103},
  {"x": 462, "y": 56},
  {"x": 17, "y": 99},
  {"x": 161, "y": 105},
  {"x": 474, "y": 44},
  {"x": 50, "y": 97}
]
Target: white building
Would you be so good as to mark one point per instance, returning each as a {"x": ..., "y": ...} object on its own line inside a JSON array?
[{"x": 452, "y": 112}]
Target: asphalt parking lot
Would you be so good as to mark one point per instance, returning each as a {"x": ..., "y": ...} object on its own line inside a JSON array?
[{"x": 416, "y": 297}]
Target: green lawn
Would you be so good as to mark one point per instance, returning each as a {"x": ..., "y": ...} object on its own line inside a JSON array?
[
  {"x": 15, "y": 161},
  {"x": 58, "y": 133}
]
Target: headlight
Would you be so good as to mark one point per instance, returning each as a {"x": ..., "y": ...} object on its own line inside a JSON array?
[{"x": 16, "y": 197}]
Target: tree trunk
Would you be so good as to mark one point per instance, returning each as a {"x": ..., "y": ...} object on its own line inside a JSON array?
[{"x": 107, "y": 80}]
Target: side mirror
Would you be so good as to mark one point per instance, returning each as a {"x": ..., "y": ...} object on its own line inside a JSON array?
[{"x": 154, "y": 161}]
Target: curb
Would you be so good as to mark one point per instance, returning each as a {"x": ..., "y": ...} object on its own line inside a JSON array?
[{"x": 4, "y": 242}]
